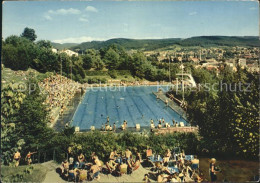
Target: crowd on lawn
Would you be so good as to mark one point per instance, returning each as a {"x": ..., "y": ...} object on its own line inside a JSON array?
[
  {"x": 60, "y": 90},
  {"x": 173, "y": 166},
  {"x": 78, "y": 169}
]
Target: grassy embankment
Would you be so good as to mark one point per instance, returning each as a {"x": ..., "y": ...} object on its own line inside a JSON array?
[
  {"x": 33, "y": 173},
  {"x": 104, "y": 76},
  {"x": 232, "y": 170}
]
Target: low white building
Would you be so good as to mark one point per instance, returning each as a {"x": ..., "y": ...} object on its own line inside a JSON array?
[
  {"x": 242, "y": 62},
  {"x": 54, "y": 50},
  {"x": 70, "y": 52}
]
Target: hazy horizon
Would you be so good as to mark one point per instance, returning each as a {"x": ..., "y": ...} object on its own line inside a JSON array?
[
  {"x": 86, "y": 21},
  {"x": 152, "y": 38}
]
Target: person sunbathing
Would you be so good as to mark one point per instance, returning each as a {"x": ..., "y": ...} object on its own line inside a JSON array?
[
  {"x": 151, "y": 121},
  {"x": 72, "y": 172},
  {"x": 113, "y": 155},
  {"x": 97, "y": 161},
  {"x": 167, "y": 156},
  {"x": 162, "y": 178},
  {"x": 138, "y": 156},
  {"x": 146, "y": 179},
  {"x": 123, "y": 167},
  {"x": 108, "y": 128},
  {"x": 95, "y": 170},
  {"x": 81, "y": 159},
  {"x": 134, "y": 165},
  {"x": 128, "y": 154},
  {"x": 114, "y": 127},
  {"x": 82, "y": 174},
  {"x": 64, "y": 167},
  {"x": 195, "y": 163},
  {"x": 111, "y": 165},
  {"x": 159, "y": 125},
  {"x": 125, "y": 124},
  {"x": 175, "y": 178}
]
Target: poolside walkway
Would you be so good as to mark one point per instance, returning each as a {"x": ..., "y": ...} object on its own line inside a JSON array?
[{"x": 173, "y": 105}]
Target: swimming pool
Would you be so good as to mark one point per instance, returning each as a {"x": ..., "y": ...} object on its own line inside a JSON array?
[{"x": 135, "y": 104}]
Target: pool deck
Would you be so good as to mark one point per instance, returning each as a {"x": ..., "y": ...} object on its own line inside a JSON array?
[
  {"x": 186, "y": 129},
  {"x": 174, "y": 106}
]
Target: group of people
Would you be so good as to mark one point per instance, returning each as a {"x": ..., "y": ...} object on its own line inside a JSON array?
[
  {"x": 78, "y": 169},
  {"x": 60, "y": 91},
  {"x": 108, "y": 127},
  {"x": 162, "y": 123},
  {"x": 17, "y": 157},
  {"x": 173, "y": 167}
]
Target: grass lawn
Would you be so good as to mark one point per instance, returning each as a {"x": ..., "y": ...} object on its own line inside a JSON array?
[
  {"x": 232, "y": 170},
  {"x": 9, "y": 75},
  {"x": 25, "y": 173}
]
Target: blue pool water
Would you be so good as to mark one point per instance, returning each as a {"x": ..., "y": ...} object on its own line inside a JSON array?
[{"x": 136, "y": 104}]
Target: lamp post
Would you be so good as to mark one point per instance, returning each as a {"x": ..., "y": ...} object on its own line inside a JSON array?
[
  {"x": 169, "y": 69},
  {"x": 71, "y": 70},
  {"x": 182, "y": 84},
  {"x": 61, "y": 69}
]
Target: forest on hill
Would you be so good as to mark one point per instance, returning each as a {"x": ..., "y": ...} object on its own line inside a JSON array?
[{"x": 152, "y": 44}]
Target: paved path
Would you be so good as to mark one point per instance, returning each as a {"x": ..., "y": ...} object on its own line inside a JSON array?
[
  {"x": 53, "y": 177},
  {"x": 136, "y": 176}
]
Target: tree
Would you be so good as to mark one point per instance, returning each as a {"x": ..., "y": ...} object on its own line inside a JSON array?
[
  {"x": 87, "y": 61},
  {"x": 11, "y": 101},
  {"x": 18, "y": 54},
  {"x": 98, "y": 64},
  {"x": 29, "y": 33},
  {"x": 111, "y": 58},
  {"x": 44, "y": 44},
  {"x": 228, "y": 119}
]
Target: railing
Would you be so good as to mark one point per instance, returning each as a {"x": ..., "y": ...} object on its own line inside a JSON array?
[{"x": 52, "y": 154}]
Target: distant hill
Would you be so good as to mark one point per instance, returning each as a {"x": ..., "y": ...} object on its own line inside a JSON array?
[
  {"x": 221, "y": 41},
  {"x": 152, "y": 44},
  {"x": 63, "y": 46},
  {"x": 145, "y": 44}
]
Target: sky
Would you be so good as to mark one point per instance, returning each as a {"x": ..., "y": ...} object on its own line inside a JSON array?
[{"x": 82, "y": 21}]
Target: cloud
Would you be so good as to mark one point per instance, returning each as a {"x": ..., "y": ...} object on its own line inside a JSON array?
[
  {"x": 47, "y": 17},
  {"x": 71, "y": 11},
  {"x": 193, "y": 13},
  {"x": 65, "y": 11},
  {"x": 83, "y": 19},
  {"x": 91, "y": 9},
  {"x": 77, "y": 39}
]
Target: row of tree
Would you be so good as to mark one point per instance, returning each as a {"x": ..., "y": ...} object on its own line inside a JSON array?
[
  {"x": 21, "y": 52},
  {"x": 227, "y": 112}
]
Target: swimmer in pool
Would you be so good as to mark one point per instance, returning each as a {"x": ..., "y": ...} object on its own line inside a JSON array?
[
  {"x": 118, "y": 106},
  {"x": 101, "y": 115}
]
